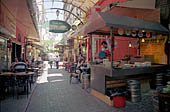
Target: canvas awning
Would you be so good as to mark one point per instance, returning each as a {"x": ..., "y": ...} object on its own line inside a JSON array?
[
  {"x": 100, "y": 23},
  {"x": 37, "y": 45},
  {"x": 20, "y": 14}
]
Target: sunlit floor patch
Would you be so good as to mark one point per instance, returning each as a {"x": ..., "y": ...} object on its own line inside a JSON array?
[
  {"x": 61, "y": 80},
  {"x": 56, "y": 74},
  {"x": 44, "y": 78}
]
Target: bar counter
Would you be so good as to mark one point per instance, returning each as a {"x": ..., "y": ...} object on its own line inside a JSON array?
[{"x": 100, "y": 74}]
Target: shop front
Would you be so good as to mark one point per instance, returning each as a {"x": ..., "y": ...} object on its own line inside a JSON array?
[{"x": 138, "y": 49}]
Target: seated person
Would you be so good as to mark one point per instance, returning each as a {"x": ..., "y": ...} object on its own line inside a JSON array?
[
  {"x": 13, "y": 63},
  {"x": 78, "y": 71},
  {"x": 20, "y": 67}
]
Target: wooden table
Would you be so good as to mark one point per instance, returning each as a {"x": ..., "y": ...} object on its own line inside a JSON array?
[
  {"x": 23, "y": 73},
  {"x": 7, "y": 73}
]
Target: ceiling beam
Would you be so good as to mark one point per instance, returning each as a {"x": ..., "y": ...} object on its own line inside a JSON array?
[
  {"x": 70, "y": 13},
  {"x": 70, "y": 4}
]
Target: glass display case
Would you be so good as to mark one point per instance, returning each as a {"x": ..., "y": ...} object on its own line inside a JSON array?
[{"x": 3, "y": 53}]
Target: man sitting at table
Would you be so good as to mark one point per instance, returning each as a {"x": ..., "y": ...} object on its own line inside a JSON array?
[{"x": 20, "y": 66}]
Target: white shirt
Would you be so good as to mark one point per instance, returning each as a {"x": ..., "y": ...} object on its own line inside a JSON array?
[
  {"x": 58, "y": 58},
  {"x": 50, "y": 58},
  {"x": 39, "y": 58}
]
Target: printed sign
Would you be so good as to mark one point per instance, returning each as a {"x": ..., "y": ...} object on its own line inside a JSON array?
[
  {"x": 58, "y": 26},
  {"x": 155, "y": 47}
]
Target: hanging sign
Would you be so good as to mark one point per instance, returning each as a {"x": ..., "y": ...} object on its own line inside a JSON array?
[
  {"x": 120, "y": 31},
  {"x": 127, "y": 32},
  {"x": 133, "y": 33},
  {"x": 148, "y": 34},
  {"x": 140, "y": 34},
  {"x": 58, "y": 26}
]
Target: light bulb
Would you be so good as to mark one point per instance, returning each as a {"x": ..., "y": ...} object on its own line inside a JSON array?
[{"x": 143, "y": 40}]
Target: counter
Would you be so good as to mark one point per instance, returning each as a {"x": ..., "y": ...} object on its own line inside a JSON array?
[{"x": 101, "y": 74}]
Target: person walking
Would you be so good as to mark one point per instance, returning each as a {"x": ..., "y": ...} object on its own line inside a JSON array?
[
  {"x": 57, "y": 62},
  {"x": 51, "y": 61},
  {"x": 39, "y": 61}
]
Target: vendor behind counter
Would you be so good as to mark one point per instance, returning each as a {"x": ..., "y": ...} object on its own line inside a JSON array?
[{"x": 104, "y": 53}]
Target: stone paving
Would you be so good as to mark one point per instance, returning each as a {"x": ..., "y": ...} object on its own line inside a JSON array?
[{"x": 54, "y": 93}]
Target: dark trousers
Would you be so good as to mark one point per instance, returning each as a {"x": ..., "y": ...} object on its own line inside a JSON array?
[{"x": 57, "y": 65}]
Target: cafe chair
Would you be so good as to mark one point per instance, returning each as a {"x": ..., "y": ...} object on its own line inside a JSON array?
[
  {"x": 22, "y": 85},
  {"x": 7, "y": 85},
  {"x": 23, "y": 82},
  {"x": 76, "y": 75}
]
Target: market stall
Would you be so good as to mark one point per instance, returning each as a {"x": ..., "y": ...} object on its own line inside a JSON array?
[{"x": 152, "y": 54}]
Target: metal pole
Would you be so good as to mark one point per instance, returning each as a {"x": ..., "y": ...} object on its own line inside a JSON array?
[
  {"x": 7, "y": 55},
  {"x": 25, "y": 48},
  {"x": 128, "y": 48},
  {"x": 112, "y": 47},
  {"x": 91, "y": 57},
  {"x": 139, "y": 47}
]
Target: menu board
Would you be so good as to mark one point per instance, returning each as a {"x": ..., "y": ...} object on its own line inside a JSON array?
[{"x": 156, "y": 47}]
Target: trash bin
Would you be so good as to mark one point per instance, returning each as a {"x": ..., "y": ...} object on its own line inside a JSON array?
[
  {"x": 118, "y": 96},
  {"x": 119, "y": 101}
]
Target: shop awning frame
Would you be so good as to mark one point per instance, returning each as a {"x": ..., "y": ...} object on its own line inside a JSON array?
[{"x": 100, "y": 23}]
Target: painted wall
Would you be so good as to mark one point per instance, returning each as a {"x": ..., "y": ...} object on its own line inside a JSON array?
[
  {"x": 146, "y": 14},
  {"x": 105, "y": 3},
  {"x": 143, "y": 4}
]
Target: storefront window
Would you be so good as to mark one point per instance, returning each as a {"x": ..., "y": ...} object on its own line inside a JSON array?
[{"x": 3, "y": 53}]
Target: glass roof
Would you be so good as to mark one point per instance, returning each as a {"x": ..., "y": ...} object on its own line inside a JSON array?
[{"x": 82, "y": 5}]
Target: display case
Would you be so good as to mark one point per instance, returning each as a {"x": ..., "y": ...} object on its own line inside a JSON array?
[{"x": 3, "y": 53}]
